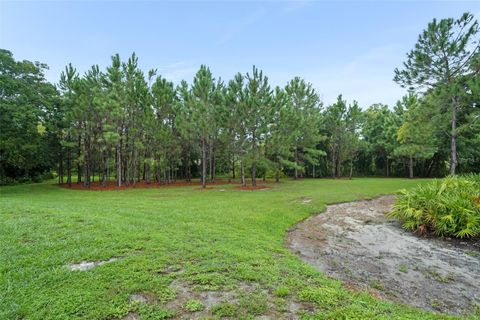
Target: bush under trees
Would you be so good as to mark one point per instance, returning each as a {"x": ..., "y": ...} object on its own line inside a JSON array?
[{"x": 447, "y": 207}]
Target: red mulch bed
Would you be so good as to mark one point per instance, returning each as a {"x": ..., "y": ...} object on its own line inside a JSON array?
[
  {"x": 97, "y": 185},
  {"x": 252, "y": 188}
]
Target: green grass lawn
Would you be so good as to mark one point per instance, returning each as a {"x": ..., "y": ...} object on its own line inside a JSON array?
[{"x": 206, "y": 240}]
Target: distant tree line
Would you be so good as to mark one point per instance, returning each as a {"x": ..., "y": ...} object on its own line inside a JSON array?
[{"x": 124, "y": 125}]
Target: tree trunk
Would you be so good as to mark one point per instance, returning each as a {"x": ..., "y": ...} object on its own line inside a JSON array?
[
  {"x": 60, "y": 166},
  {"x": 388, "y": 168},
  {"x": 351, "y": 170},
  {"x": 119, "y": 163},
  {"x": 204, "y": 165},
  {"x": 134, "y": 163},
  {"x": 296, "y": 163},
  {"x": 334, "y": 162},
  {"x": 104, "y": 171},
  {"x": 189, "y": 170},
  {"x": 212, "y": 170},
  {"x": 410, "y": 167},
  {"x": 233, "y": 166},
  {"x": 69, "y": 167},
  {"x": 210, "y": 162},
  {"x": 453, "y": 144},
  {"x": 254, "y": 174},
  {"x": 254, "y": 162},
  {"x": 145, "y": 169},
  {"x": 277, "y": 175},
  {"x": 79, "y": 167},
  {"x": 85, "y": 163},
  {"x": 242, "y": 173}
]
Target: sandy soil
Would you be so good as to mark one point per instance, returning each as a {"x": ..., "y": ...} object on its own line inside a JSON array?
[{"x": 356, "y": 243}]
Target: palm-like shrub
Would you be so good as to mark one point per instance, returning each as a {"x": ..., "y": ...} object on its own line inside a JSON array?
[{"x": 447, "y": 207}]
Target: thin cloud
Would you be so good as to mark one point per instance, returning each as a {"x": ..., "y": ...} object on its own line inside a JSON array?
[
  {"x": 179, "y": 74},
  {"x": 294, "y": 6},
  {"x": 367, "y": 78},
  {"x": 173, "y": 65},
  {"x": 240, "y": 26}
]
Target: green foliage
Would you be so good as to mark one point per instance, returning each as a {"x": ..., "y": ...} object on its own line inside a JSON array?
[
  {"x": 403, "y": 268},
  {"x": 225, "y": 309},
  {"x": 448, "y": 207},
  {"x": 194, "y": 305},
  {"x": 444, "y": 62},
  {"x": 282, "y": 292},
  {"x": 28, "y": 139}
]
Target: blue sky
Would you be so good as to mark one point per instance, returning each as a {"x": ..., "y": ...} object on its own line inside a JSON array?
[{"x": 340, "y": 47}]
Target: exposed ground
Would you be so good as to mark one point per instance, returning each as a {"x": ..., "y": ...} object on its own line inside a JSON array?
[
  {"x": 98, "y": 186},
  {"x": 356, "y": 243},
  {"x": 111, "y": 185}
]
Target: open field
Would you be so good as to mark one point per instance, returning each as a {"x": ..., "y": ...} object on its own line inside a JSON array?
[{"x": 175, "y": 252}]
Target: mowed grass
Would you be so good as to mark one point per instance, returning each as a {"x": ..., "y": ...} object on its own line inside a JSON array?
[{"x": 222, "y": 239}]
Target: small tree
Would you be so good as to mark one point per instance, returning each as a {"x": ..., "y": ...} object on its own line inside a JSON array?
[{"x": 415, "y": 136}]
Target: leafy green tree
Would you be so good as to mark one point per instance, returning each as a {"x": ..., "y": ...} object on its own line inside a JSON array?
[
  {"x": 415, "y": 136},
  {"x": 25, "y": 98},
  {"x": 379, "y": 131}
]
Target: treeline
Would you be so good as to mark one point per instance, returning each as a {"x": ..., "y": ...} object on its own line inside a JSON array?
[{"x": 124, "y": 125}]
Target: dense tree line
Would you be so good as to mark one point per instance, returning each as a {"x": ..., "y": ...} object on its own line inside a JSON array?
[{"x": 124, "y": 125}]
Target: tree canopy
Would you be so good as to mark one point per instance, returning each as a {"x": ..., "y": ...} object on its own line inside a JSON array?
[{"x": 124, "y": 125}]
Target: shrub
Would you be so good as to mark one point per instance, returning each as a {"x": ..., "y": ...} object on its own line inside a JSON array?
[{"x": 447, "y": 207}]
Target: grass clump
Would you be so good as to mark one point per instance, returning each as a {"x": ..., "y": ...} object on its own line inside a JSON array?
[
  {"x": 448, "y": 207},
  {"x": 403, "y": 268},
  {"x": 194, "y": 305},
  {"x": 282, "y": 292},
  {"x": 224, "y": 309}
]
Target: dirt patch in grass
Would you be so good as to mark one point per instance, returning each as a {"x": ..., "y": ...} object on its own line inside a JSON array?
[
  {"x": 87, "y": 265},
  {"x": 245, "y": 300},
  {"x": 356, "y": 243},
  {"x": 132, "y": 316},
  {"x": 98, "y": 186}
]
